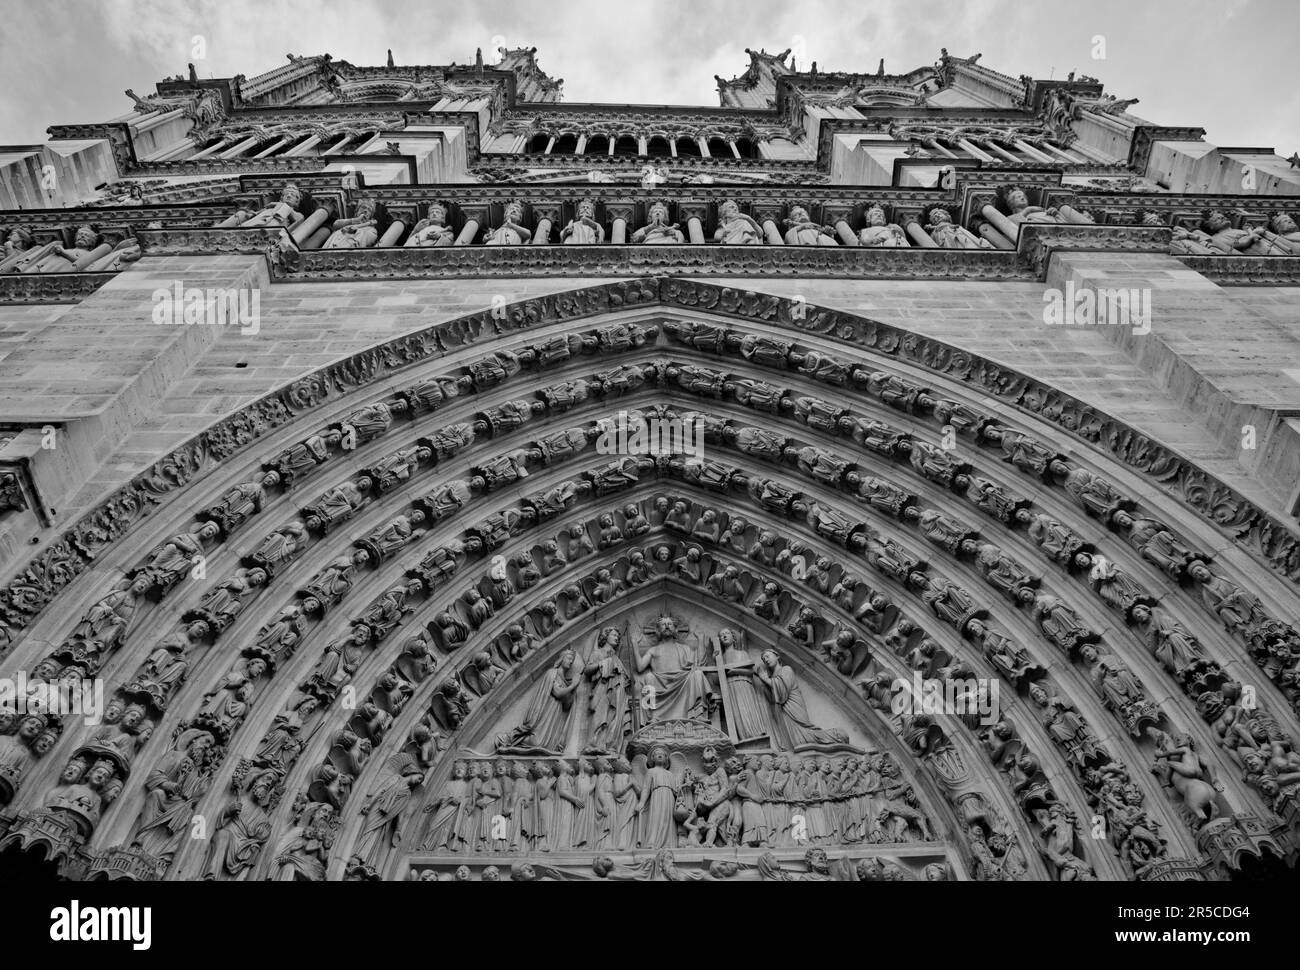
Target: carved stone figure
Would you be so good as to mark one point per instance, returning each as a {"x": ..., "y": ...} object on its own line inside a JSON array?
[
  {"x": 804, "y": 232},
  {"x": 546, "y": 721},
  {"x": 433, "y": 229},
  {"x": 670, "y": 675},
  {"x": 949, "y": 236},
  {"x": 658, "y": 231},
  {"x": 879, "y": 231},
  {"x": 361, "y": 231},
  {"x": 511, "y": 232},
  {"x": 735, "y": 228},
  {"x": 583, "y": 230},
  {"x": 785, "y": 693}
]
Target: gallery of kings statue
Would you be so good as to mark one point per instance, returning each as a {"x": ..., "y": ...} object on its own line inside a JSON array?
[{"x": 972, "y": 552}]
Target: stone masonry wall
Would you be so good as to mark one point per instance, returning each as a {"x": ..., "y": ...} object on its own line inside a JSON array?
[{"x": 126, "y": 390}]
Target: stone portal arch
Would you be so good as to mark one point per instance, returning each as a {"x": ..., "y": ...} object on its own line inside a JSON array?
[{"x": 897, "y": 513}]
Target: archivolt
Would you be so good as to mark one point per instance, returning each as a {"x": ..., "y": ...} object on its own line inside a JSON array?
[{"x": 698, "y": 361}]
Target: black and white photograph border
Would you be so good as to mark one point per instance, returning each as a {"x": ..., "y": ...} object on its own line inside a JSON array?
[{"x": 714, "y": 442}]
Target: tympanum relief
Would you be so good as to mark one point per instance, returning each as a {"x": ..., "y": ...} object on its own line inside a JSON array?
[{"x": 666, "y": 733}]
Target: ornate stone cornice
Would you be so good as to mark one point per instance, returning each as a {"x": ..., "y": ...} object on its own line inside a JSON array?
[
  {"x": 24, "y": 288},
  {"x": 136, "y": 216},
  {"x": 1246, "y": 270},
  {"x": 769, "y": 261}
]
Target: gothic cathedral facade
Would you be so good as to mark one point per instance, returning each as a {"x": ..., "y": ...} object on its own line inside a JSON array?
[{"x": 875, "y": 476}]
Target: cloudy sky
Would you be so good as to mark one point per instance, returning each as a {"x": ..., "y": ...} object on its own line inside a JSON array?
[{"x": 1226, "y": 65}]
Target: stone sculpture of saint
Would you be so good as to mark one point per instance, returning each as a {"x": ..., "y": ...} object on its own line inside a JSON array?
[
  {"x": 583, "y": 230},
  {"x": 784, "y": 691},
  {"x": 445, "y": 830},
  {"x": 546, "y": 722},
  {"x": 1283, "y": 234},
  {"x": 359, "y": 232},
  {"x": 382, "y": 829},
  {"x": 18, "y": 245},
  {"x": 1020, "y": 211},
  {"x": 608, "y": 702},
  {"x": 88, "y": 248},
  {"x": 170, "y": 788},
  {"x": 804, "y": 232},
  {"x": 511, "y": 232},
  {"x": 747, "y": 712},
  {"x": 432, "y": 230},
  {"x": 283, "y": 213},
  {"x": 950, "y": 236},
  {"x": 735, "y": 228},
  {"x": 658, "y": 231},
  {"x": 880, "y": 232},
  {"x": 244, "y": 827},
  {"x": 626, "y": 794}
]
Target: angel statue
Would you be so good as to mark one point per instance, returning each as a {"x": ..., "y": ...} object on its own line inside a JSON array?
[
  {"x": 607, "y": 702},
  {"x": 546, "y": 722},
  {"x": 657, "y": 822},
  {"x": 671, "y": 680}
]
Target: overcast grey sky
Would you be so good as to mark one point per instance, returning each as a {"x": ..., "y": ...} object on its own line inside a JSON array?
[{"x": 1226, "y": 65}]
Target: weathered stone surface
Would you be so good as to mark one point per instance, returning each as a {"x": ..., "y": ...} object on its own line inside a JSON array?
[{"x": 522, "y": 524}]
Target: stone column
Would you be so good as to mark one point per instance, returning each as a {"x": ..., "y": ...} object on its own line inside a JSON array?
[
  {"x": 546, "y": 218},
  {"x": 1032, "y": 152},
  {"x": 392, "y": 233},
  {"x": 912, "y": 226},
  {"x": 1061, "y": 153},
  {"x": 840, "y": 219},
  {"x": 620, "y": 216},
  {"x": 767, "y": 219},
  {"x": 995, "y": 238},
  {"x": 473, "y": 219},
  {"x": 316, "y": 240},
  {"x": 704, "y": 146},
  {"x": 1070, "y": 214},
  {"x": 303, "y": 146},
  {"x": 229, "y": 222},
  {"x": 176, "y": 151},
  {"x": 975, "y": 150},
  {"x": 303, "y": 231},
  {"x": 1008, "y": 229},
  {"x": 694, "y": 215},
  {"x": 242, "y": 146},
  {"x": 211, "y": 149},
  {"x": 993, "y": 146},
  {"x": 336, "y": 146},
  {"x": 272, "y": 147}
]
